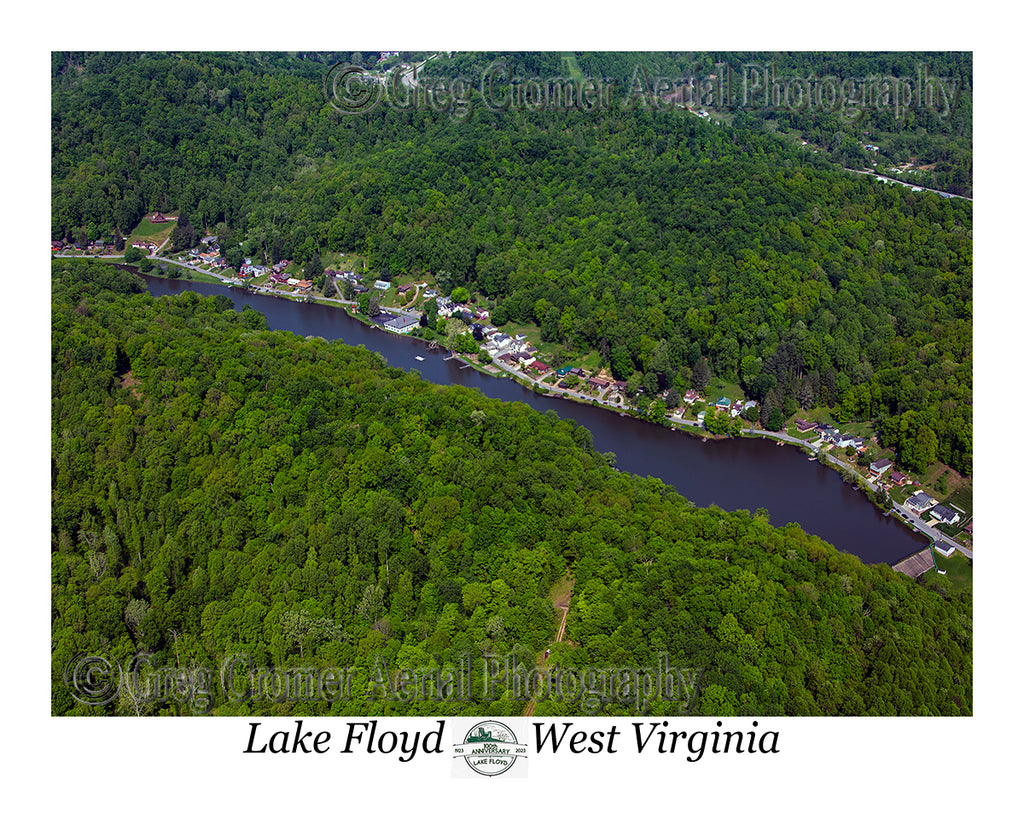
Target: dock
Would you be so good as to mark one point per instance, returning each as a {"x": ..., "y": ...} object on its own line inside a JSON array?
[{"x": 917, "y": 564}]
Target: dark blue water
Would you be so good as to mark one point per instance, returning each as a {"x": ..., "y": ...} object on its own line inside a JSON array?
[{"x": 731, "y": 474}]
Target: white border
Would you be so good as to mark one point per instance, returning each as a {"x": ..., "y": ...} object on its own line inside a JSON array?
[{"x": 833, "y": 767}]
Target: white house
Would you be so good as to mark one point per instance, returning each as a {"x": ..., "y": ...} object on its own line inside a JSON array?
[
  {"x": 878, "y": 467},
  {"x": 402, "y": 324},
  {"x": 943, "y": 514},
  {"x": 919, "y": 502}
]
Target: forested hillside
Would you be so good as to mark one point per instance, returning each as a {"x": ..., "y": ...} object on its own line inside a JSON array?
[
  {"x": 677, "y": 248},
  {"x": 221, "y": 489}
]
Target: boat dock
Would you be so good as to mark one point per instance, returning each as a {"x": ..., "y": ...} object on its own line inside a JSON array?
[{"x": 917, "y": 564}]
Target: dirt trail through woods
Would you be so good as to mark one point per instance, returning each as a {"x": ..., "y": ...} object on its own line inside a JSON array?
[{"x": 561, "y": 594}]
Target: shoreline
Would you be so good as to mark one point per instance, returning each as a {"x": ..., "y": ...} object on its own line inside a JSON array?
[{"x": 494, "y": 370}]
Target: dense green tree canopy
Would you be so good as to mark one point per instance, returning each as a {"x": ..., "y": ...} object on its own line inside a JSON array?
[
  {"x": 221, "y": 490},
  {"x": 671, "y": 245}
]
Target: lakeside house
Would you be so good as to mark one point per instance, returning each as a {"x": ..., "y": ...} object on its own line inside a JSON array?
[
  {"x": 445, "y": 306},
  {"x": 402, "y": 324},
  {"x": 943, "y": 514},
  {"x": 879, "y": 467},
  {"x": 919, "y": 502},
  {"x": 157, "y": 218},
  {"x": 842, "y": 440},
  {"x": 803, "y": 425},
  {"x": 691, "y": 396},
  {"x": 499, "y": 342}
]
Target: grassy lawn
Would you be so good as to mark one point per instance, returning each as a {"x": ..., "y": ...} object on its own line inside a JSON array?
[
  {"x": 147, "y": 231},
  {"x": 862, "y": 429},
  {"x": 931, "y": 474},
  {"x": 898, "y": 494},
  {"x": 202, "y": 277},
  {"x": 959, "y": 572},
  {"x": 531, "y": 331},
  {"x": 588, "y": 362},
  {"x": 820, "y": 415},
  {"x": 962, "y": 498},
  {"x": 718, "y": 387},
  {"x": 342, "y": 261}
]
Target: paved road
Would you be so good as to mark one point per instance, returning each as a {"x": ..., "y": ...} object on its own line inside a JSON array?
[
  {"x": 912, "y": 184},
  {"x": 909, "y": 518},
  {"x": 925, "y": 529},
  {"x": 155, "y": 259}
]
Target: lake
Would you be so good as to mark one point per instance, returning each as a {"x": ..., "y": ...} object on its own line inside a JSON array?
[{"x": 732, "y": 474}]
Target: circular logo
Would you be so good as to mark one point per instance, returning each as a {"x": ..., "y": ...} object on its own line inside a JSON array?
[
  {"x": 490, "y": 748},
  {"x": 92, "y": 680},
  {"x": 350, "y": 90}
]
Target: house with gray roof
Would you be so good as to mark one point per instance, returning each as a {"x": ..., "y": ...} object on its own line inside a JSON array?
[
  {"x": 919, "y": 502},
  {"x": 878, "y": 467},
  {"x": 402, "y": 324},
  {"x": 943, "y": 514}
]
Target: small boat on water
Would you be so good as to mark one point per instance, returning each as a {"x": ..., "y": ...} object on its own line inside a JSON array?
[{"x": 419, "y": 358}]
